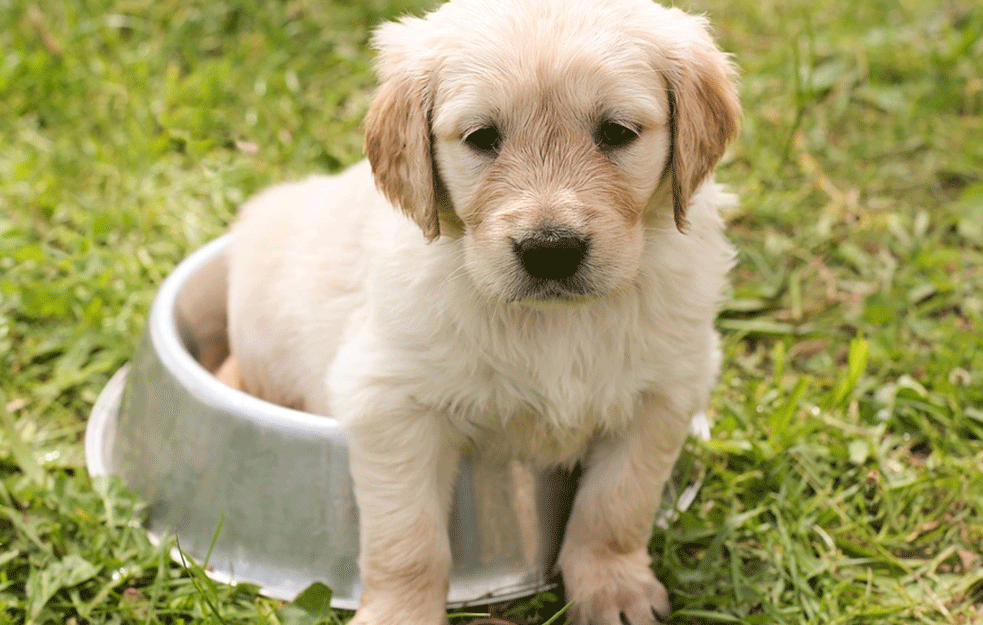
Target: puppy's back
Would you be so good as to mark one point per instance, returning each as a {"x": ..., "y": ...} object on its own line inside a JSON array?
[{"x": 295, "y": 276}]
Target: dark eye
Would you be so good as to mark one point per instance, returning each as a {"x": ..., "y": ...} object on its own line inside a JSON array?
[
  {"x": 611, "y": 136},
  {"x": 485, "y": 139}
]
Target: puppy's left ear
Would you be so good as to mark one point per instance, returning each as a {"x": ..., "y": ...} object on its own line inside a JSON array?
[
  {"x": 704, "y": 111},
  {"x": 397, "y": 126}
]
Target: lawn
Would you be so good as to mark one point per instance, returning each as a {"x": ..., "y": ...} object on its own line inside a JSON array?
[{"x": 845, "y": 472}]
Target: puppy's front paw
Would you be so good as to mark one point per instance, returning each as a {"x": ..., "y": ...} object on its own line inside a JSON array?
[{"x": 608, "y": 588}]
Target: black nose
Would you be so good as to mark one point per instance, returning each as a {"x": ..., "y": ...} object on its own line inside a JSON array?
[{"x": 550, "y": 255}]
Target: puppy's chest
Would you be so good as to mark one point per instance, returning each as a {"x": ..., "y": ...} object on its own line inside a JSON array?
[{"x": 548, "y": 395}]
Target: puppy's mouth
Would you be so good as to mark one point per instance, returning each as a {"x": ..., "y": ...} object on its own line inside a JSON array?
[{"x": 537, "y": 290}]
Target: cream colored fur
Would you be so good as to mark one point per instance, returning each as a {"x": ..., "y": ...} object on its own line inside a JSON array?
[{"x": 340, "y": 306}]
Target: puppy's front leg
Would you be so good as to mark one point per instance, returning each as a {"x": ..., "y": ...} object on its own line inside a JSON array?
[
  {"x": 604, "y": 558},
  {"x": 403, "y": 465}
]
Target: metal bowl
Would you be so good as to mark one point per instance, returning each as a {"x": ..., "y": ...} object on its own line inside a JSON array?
[{"x": 274, "y": 482}]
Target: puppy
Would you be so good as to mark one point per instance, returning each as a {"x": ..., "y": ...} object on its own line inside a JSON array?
[{"x": 557, "y": 157}]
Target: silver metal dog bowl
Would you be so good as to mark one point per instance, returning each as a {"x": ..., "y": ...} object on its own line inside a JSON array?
[{"x": 274, "y": 482}]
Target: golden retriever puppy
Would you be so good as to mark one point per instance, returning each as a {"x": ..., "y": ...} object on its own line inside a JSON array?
[{"x": 558, "y": 306}]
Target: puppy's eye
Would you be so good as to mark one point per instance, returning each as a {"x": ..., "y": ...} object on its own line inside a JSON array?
[
  {"x": 612, "y": 135},
  {"x": 485, "y": 139}
]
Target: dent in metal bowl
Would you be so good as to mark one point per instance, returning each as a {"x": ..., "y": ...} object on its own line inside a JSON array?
[{"x": 275, "y": 481}]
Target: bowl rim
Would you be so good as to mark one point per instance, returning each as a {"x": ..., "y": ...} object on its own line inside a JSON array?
[{"x": 201, "y": 383}]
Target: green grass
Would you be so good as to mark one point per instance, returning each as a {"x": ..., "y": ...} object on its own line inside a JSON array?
[{"x": 845, "y": 478}]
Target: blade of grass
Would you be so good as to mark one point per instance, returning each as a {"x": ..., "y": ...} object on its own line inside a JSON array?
[{"x": 194, "y": 575}]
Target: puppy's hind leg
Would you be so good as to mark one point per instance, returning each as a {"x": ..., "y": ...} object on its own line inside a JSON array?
[
  {"x": 229, "y": 373},
  {"x": 403, "y": 466},
  {"x": 604, "y": 558}
]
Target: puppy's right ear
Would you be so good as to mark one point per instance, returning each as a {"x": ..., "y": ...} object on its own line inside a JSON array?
[{"x": 398, "y": 140}]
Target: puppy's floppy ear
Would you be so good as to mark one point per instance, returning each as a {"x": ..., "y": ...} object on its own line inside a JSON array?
[
  {"x": 704, "y": 111},
  {"x": 397, "y": 126}
]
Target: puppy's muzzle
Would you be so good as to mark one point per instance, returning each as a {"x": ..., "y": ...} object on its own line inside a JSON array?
[{"x": 551, "y": 255}]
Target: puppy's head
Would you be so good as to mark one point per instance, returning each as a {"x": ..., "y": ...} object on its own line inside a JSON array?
[{"x": 548, "y": 134}]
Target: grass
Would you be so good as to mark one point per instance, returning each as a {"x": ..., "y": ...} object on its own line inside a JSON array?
[{"x": 846, "y": 466}]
